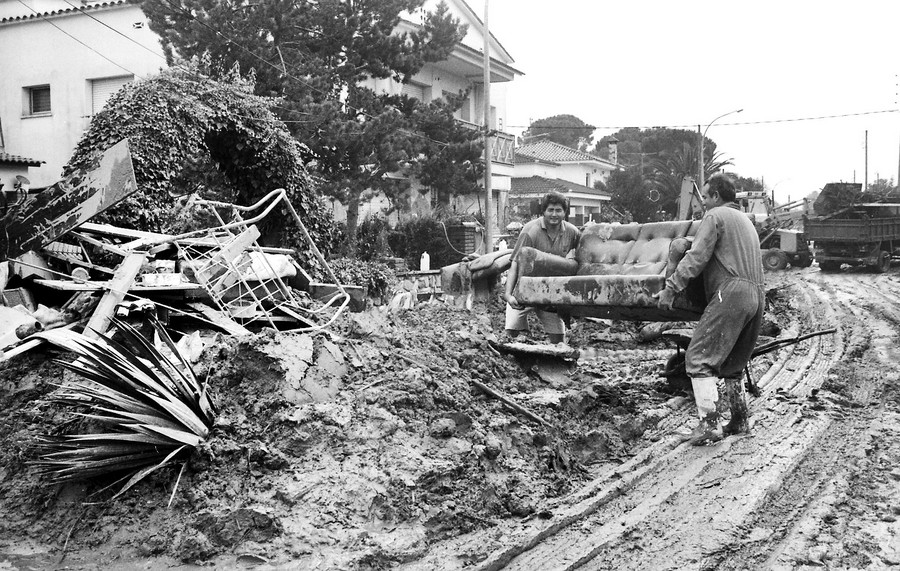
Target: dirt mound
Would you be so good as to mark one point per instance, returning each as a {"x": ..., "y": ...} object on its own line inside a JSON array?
[{"x": 359, "y": 447}]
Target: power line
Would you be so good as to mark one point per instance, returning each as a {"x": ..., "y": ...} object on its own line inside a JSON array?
[
  {"x": 691, "y": 126},
  {"x": 46, "y": 19},
  {"x": 104, "y": 24}
]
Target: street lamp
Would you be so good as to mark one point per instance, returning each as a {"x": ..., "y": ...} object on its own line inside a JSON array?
[{"x": 701, "y": 167}]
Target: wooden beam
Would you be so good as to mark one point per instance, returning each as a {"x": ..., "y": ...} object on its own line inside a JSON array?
[
  {"x": 219, "y": 319},
  {"x": 68, "y": 203},
  {"x": 118, "y": 287},
  {"x": 100, "y": 244}
]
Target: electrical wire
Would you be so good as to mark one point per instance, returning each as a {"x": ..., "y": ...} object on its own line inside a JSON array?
[
  {"x": 46, "y": 19},
  {"x": 735, "y": 123}
]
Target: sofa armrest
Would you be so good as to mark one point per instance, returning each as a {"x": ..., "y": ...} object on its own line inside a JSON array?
[{"x": 533, "y": 262}]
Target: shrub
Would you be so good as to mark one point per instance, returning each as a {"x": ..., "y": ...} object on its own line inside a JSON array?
[
  {"x": 376, "y": 276},
  {"x": 372, "y": 239},
  {"x": 424, "y": 234}
]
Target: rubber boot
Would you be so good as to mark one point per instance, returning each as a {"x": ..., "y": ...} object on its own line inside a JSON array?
[
  {"x": 736, "y": 393},
  {"x": 706, "y": 395}
]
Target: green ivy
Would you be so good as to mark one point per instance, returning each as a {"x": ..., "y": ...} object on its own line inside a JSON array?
[
  {"x": 189, "y": 132},
  {"x": 377, "y": 277}
]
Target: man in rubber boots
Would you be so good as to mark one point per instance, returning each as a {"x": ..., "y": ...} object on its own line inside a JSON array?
[
  {"x": 550, "y": 233},
  {"x": 726, "y": 251}
]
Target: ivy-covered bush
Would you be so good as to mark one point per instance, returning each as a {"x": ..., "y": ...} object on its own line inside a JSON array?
[
  {"x": 423, "y": 234},
  {"x": 377, "y": 277},
  {"x": 188, "y": 132}
]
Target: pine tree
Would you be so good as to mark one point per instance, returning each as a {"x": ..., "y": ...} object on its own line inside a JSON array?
[{"x": 316, "y": 56}]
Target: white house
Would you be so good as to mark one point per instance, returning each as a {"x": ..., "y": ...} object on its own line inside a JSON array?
[
  {"x": 61, "y": 62},
  {"x": 544, "y": 166},
  {"x": 462, "y": 71}
]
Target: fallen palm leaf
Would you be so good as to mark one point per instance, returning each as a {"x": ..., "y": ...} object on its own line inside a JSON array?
[{"x": 153, "y": 412}]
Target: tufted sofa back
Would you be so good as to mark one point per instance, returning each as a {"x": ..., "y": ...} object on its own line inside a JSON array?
[{"x": 629, "y": 249}]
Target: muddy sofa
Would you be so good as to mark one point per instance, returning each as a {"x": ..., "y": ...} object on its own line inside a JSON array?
[{"x": 616, "y": 271}]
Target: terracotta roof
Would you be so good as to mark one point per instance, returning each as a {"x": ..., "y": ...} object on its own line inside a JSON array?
[
  {"x": 554, "y": 152},
  {"x": 6, "y": 158},
  {"x": 35, "y": 15},
  {"x": 541, "y": 185}
]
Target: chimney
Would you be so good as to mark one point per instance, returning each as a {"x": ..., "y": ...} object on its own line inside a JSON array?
[{"x": 614, "y": 151}]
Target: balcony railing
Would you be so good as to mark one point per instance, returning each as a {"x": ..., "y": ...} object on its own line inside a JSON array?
[{"x": 503, "y": 145}]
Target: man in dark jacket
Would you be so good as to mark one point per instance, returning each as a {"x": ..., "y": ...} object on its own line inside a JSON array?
[{"x": 726, "y": 251}]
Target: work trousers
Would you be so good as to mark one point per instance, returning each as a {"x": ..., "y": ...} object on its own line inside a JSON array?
[{"x": 725, "y": 337}]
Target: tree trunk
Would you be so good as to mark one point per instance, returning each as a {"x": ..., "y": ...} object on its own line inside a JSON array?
[{"x": 353, "y": 198}]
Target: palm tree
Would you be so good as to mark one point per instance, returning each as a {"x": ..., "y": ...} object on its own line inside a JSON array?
[{"x": 669, "y": 169}]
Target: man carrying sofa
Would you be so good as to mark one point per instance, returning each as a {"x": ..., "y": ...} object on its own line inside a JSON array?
[
  {"x": 726, "y": 251},
  {"x": 550, "y": 233}
]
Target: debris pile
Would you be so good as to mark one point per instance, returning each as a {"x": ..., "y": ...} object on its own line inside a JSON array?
[{"x": 60, "y": 270}]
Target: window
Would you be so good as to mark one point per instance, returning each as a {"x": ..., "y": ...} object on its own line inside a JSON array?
[
  {"x": 103, "y": 89},
  {"x": 413, "y": 90},
  {"x": 38, "y": 100}
]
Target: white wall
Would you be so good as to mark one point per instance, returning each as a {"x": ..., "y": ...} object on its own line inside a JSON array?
[{"x": 34, "y": 52}]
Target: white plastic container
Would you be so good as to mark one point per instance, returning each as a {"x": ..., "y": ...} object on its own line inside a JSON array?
[{"x": 425, "y": 262}]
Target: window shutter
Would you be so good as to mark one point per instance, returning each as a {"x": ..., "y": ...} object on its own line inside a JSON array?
[
  {"x": 103, "y": 89},
  {"x": 413, "y": 90}
]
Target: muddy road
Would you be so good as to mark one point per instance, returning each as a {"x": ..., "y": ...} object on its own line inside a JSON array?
[
  {"x": 372, "y": 448},
  {"x": 816, "y": 484}
]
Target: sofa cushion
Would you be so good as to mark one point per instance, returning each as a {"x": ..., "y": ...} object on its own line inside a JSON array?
[
  {"x": 604, "y": 248},
  {"x": 650, "y": 251}
]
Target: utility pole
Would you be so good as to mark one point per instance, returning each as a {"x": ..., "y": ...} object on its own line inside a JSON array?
[
  {"x": 866, "y": 179},
  {"x": 700, "y": 169},
  {"x": 489, "y": 207}
]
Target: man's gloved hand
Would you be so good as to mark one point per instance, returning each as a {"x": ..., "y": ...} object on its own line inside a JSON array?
[{"x": 665, "y": 298}]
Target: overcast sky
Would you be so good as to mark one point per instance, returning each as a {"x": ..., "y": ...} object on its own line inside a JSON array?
[{"x": 647, "y": 63}]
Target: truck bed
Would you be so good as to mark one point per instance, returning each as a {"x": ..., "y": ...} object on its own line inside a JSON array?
[{"x": 852, "y": 230}]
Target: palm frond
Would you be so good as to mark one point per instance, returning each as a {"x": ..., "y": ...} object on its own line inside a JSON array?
[{"x": 152, "y": 410}]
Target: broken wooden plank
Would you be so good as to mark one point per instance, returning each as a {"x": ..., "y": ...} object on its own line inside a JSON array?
[
  {"x": 509, "y": 402},
  {"x": 100, "y": 244},
  {"x": 219, "y": 319},
  {"x": 146, "y": 239},
  {"x": 67, "y": 285},
  {"x": 223, "y": 269},
  {"x": 77, "y": 262},
  {"x": 557, "y": 350},
  {"x": 118, "y": 287},
  {"x": 68, "y": 203}
]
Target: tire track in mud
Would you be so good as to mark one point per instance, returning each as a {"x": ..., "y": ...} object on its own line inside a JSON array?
[{"x": 784, "y": 528}]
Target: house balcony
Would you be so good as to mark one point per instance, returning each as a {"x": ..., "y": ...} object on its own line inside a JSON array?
[{"x": 502, "y": 144}]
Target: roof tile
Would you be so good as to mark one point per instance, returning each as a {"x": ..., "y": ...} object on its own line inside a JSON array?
[
  {"x": 18, "y": 160},
  {"x": 541, "y": 185},
  {"x": 554, "y": 152}
]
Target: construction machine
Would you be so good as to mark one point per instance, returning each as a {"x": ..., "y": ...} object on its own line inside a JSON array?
[{"x": 780, "y": 228}]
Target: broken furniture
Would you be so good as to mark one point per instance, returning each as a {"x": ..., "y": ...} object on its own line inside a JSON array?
[
  {"x": 475, "y": 274},
  {"x": 616, "y": 271}
]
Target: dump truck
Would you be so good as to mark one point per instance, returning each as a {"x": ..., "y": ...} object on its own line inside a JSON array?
[{"x": 848, "y": 229}]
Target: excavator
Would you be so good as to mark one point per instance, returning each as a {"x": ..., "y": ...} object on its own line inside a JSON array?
[{"x": 779, "y": 227}]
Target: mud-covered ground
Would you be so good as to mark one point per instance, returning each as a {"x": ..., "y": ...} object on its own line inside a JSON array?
[{"x": 370, "y": 447}]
